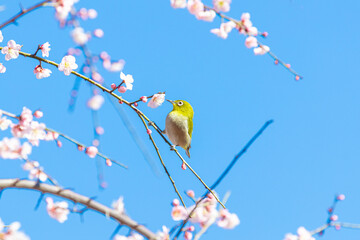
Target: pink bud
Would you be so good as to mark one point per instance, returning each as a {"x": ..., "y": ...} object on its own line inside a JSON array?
[
  {"x": 330, "y": 210},
  {"x": 113, "y": 86},
  {"x": 55, "y": 135},
  {"x": 337, "y": 227},
  {"x": 108, "y": 162},
  {"x": 340, "y": 197},
  {"x": 122, "y": 89},
  {"x": 97, "y": 77},
  {"x": 276, "y": 62},
  {"x": 99, "y": 130},
  {"x": 144, "y": 99},
  {"x": 191, "y": 193},
  {"x": 175, "y": 202},
  {"x": 297, "y": 78},
  {"x": 92, "y": 13},
  {"x": 288, "y": 65},
  {"x": 188, "y": 235},
  {"x": 136, "y": 104},
  {"x": 91, "y": 151},
  {"x": 103, "y": 184},
  {"x": 334, "y": 218},
  {"x": 98, "y": 33},
  {"x": 148, "y": 131},
  {"x": 120, "y": 101},
  {"x": 183, "y": 166},
  {"x": 86, "y": 69},
  {"x": 104, "y": 55},
  {"x": 191, "y": 228},
  {"x": 58, "y": 143},
  {"x": 265, "y": 34},
  {"x": 38, "y": 114},
  {"x": 80, "y": 148},
  {"x": 210, "y": 196},
  {"x": 96, "y": 142}
]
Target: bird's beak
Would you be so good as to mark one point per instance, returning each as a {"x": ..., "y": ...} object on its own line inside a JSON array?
[{"x": 170, "y": 101}]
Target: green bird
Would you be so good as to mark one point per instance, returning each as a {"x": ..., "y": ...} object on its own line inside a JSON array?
[{"x": 179, "y": 124}]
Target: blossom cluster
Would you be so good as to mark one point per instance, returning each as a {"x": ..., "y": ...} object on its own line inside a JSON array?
[
  {"x": 244, "y": 25},
  {"x": 11, "y": 232},
  {"x": 205, "y": 214},
  {"x": 57, "y": 210}
]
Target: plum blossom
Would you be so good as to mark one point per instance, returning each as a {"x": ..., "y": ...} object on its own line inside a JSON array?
[
  {"x": 128, "y": 80},
  {"x": 178, "y": 213},
  {"x": 35, "y": 171},
  {"x": 247, "y": 27},
  {"x": 11, "y": 50},
  {"x": 35, "y": 132},
  {"x": 91, "y": 151},
  {"x": 98, "y": 33},
  {"x": 1, "y": 36},
  {"x": 41, "y": 72},
  {"x": 57, "y": 210},
  {"x": 251, "y": 42},
  {"x": 26, "y": 117},
  {"x": 92, "y": 13},
  {"x": 11, "y": 232},
  {"x": 261, "y": 50},
  {"x": 45, "y": 49},
  {"x": 227, "y": 220},
  {"x": 119, "y": 205},
  {"x": 178, "y": 3},
  {"x": 163, "y": 235},
  {"x": 79, "y": 36},
  {"x": 224, "y": 30},
  {"x": 222, "y": 5},
  {"x": 63, "y": 8},
  {"x": 95, "y": 102},
  {"x": 67, "y": 64},
  {"x": 4, "y": 123},
  {"x": 2, "y": 68},
  {"x": 116, "y": 66},
  {"x": 195, "y": 6},
  {"x": 302, "y": 234},
  {"x": 156, "y": 100},
  {"x": 206, "y": 15},
  {"x": 11, "y": 148}
]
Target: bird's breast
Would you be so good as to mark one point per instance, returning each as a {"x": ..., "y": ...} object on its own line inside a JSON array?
[{"x": 176, "y": 127}]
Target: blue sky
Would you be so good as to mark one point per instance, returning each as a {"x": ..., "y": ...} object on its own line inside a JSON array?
[{"x": 287, "y": 179}]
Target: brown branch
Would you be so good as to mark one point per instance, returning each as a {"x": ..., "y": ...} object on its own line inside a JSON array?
[
  {"x": 22, "y": 13},
  {"x": 77, "y": 198}
]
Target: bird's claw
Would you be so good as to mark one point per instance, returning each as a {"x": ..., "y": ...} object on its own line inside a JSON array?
[{"x": 172, "y": 148}]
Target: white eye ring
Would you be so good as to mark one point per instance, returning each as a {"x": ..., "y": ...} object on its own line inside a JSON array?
[{"x": 180, "y": 103}]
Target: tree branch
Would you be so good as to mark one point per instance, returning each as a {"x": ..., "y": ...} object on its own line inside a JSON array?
[{"x": 77, "y": 198}]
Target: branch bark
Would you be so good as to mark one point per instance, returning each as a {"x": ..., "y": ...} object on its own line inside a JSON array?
[{"x": 78, "y": 198}]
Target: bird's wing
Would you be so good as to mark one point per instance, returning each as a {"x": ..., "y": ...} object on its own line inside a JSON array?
[{"x": 190, "y": 127}]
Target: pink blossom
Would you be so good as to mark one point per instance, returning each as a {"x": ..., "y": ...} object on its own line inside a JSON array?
[
  {"x": 224, "y": 30},
  {"x": 83, "y": 14},
  {"x": 340, "y": 197},
  {"x": 79, "y": 36},
  {"x": 97, "y": 77},
  {"x": 116, "y": 66},
  {"x": 11, "y": 51},
  {"x": 45, "y": 49},
  {"x": 222, "y": 5},
  {"x": 67, "y": 64},
  {"x": 251, "y": 42},
  {"x": 98, "y": 33},
  {"x": 190, "y": 193},
  {"x": 128, "y": 80},
  {"x": 12, "y": 149},
  {"x": 26, "y": 117},
  {"x": 156, "y": 100},
  {"x": 99, "y": 130},
  {"x": 2, "y": 68},
  {"x": 334, "y": 218},
  {"x": 144, "y": 99},
  {"x": 11, "y": 232},
  {"x": 4, "y": 123},
  {"x": 35, "y": 132},
  {"x": 104, "y": 55},
  {"x": 1, "y": 37},
  {"x": 206, "y": 15},
  {"x": 188, "y": 235},
  {"x": 261, "y": 50},
  {"x": 41, "y": 72},
  {"x": 252, "y": 31},
  {"x": 148, "y": 131},
  {"x": 163, "y": 235},
  {"x": 178, "y": 3},
  {"x": 175, "y": 202},
  {"x": 119, "y": 205},
  {"x": 91, "y": 151},
  {"x": 108, "y": 162},
  {"x": 92, "y": 13},
  {"x": 227, "y": 220},
  {"x": 195, "y": 6},
  {"x": 36, "y": 172},
  {"x": 50, "y": 136},
  {"x": 178, "y": 213},
  {"x": 57, "y": 210},
  {"x": 302, "y": 234}
]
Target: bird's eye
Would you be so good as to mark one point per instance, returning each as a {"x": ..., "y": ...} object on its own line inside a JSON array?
[{"x": 180, "y": 103}]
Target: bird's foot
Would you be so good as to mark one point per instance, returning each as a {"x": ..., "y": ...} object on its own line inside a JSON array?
[{"x": 172, "y": 148}]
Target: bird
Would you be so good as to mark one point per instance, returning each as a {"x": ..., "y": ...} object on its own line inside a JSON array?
[{"x": 179, "y": 125}]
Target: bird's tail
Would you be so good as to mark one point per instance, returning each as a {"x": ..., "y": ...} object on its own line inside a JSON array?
[{"x": 188, "y": 151}]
